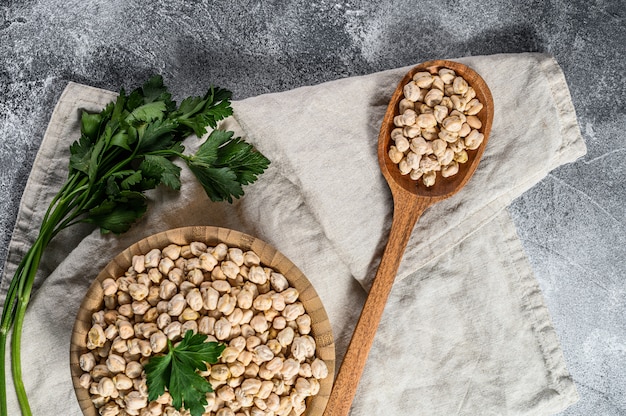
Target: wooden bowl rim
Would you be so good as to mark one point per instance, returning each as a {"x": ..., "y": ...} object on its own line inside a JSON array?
[{"x": 320, "y": 327}]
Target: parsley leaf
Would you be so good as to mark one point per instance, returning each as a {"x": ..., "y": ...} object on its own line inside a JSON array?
[
  {"x": 154, "y": 90},
  {"x": 177, "y": 371},
  {"x": 147, "y": 112},
  {"x": 243, "y": 160},
  {"x": 223, "y": 164},
  {"x": 89, "y": 125},
  {"x": 158, "y": 135},
  {"x": 80, "y": 154},
  {"x": 161, "y": 170},
  {"x": 117, "y": 213},
  {"x": 199, "y": 113}
]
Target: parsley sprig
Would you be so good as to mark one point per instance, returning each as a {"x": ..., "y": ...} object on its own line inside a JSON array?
[
  {"x": 128, "y": 148},
  {"x": 123, "y": 151},
  {"x": 178, "y": 372}
]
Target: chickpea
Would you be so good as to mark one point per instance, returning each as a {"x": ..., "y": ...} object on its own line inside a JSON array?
[
  {"x": 436, "y": 115},
  {"x": 269, "y": 365}
]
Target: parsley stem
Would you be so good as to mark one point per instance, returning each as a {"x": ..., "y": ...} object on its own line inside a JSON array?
[
  {"x": 7, "y": 322},
  {"x": 59, "y": 195},
  {"x": 16, "y": 339},
  {"x": 123, "y": 164},
  {"x": 18, "y": 297},
  {"x": 13, "y": 315}
]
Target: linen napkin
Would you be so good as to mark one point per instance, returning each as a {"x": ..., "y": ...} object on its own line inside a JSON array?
[{"x": 465, "y": 330}]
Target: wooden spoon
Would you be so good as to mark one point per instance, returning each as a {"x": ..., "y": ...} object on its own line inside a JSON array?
[{"x": 410, "y": 199}]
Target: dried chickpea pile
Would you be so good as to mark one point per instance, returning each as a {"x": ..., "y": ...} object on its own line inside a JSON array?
[
  {"x": 269, "y": 366},
  {"x": 436, "y": 126}
]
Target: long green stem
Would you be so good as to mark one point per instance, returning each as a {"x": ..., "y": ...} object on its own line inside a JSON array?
[
  {"x": 23, "y": 297},
  {"x": 70, "y": 187},
  {"x": 16, "y": 339},
  {"x": 66, "y": 208},
  {"x": 8, "y": 317},
  {"x": 3, "y": 388},
  {"x": 16, "y": 366},
  {"x": 7, "y": 321}
]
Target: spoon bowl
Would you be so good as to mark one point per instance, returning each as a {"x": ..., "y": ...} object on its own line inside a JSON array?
[
  {"x": 410, "y": 199},
  {"x": 443, "y": 187}
]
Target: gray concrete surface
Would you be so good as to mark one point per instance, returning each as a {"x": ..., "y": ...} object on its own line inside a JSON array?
[{"x": 572, "y": 223}]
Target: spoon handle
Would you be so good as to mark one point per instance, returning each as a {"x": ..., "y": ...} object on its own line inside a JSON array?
[{"x": 407, "y": 210}]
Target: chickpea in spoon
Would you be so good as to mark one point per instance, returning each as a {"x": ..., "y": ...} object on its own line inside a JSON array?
[{"x": 436, "y": 125}]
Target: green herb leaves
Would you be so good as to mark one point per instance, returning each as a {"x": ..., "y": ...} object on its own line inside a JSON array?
[
  {"x": 128, "y": 148},
  {"x": 160, "y": 170},
  {"x": 223, "y": 164},
  {"x": 196, "y": 113},
  {"x": 177, "y": 371}
]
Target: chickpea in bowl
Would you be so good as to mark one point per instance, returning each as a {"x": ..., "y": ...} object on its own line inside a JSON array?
[{"x": 278, "y": 351}]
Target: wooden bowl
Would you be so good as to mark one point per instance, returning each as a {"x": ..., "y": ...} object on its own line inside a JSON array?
[
  {"x": 270, "y": 257},
  {"x": 444, "y": 187}
]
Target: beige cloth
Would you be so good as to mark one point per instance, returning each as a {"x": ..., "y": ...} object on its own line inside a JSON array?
[{"x": 466, "y": 330}]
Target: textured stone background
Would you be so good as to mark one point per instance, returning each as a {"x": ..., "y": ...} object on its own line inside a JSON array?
[{"x": 572, "y": 223}]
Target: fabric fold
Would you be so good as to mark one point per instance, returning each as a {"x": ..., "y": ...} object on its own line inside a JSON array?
[
  {"x": 465, "y": 331},
  {"x": 336, "y": 168},
  {"x": 476, "y": 335}
]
